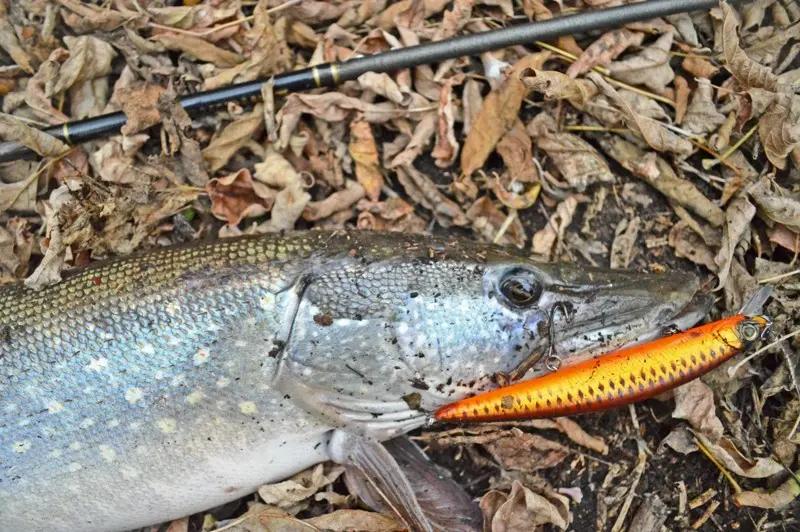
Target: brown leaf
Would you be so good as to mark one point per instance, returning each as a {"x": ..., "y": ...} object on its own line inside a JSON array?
[
  {"x": 516, "y": 150},
  {"x": 521, "y": 451},
  {"x": 189, "y": 17},
  {"x": 525, "y": 510},
  {"x": 86, "y": 17},
  {"x": 422, "y": 135},
  {"x": 423, "y": 191},
  {"x": 347, "y": 520},
  {"x": 738, "y": 215},
  {"x": 663, "y": 179},
  {"x": 780, "y": 208},
  {"x": 199, "y": 49},
  {"x": 394, "y": 214},
  {"x": 19, "y": 182},
  {"x": 545, "y": 239},
  {"x": 699, "y": 67},
  {"x": 726, "y": 452},
  {"x": 497, "y": 115},
  {"x": 299, "y": 487},
  {"x": 577, "y": 160},
  {"x": 681, "y": 98},
  {"x": 383, "y": 85},
  {"x": 779, "y": 128},
  {"x": 275, "y": 171},
  {"x": 364, "y": 152},
  {"x": 689, "y": 245},
  {"x": 652, "y": 131},
  {"x": 781, "y": 235},
  {"x": 189, "y": 166},
  {"x": 575, "y": 433},
  {"x": 624, "y": 240},
  {"x": 650, "y": 67},
  {"x": 265, "y": 518},
  {"x": 472, "y": 101},
  {"x": 138, "y": 101},
  {"x": 445, "y": 150},
  {"x": 14, "y": 130},
  {"x": 16, "y": 247},
  {"x": 336, "y": 202},
  {"x": 115, "y": 158},
  {"x": 694, "y": 402},
  {"x": 232, "y": 137},
  {"x": 604, "y": 50},
  {"x": 702, "y": 116},
  {"x": 39, "y": 90},
  {"x": 749, "y": 73},
  {"x": 487, "y": 220},
  {"x": 9, "y": 43},
  {"x": 780, "y": 497},
  {"x": 266, "y": 53},
  {"x": 557, "y": 86},
  {"x": 89, "y": 58},
  {"x": 233, "y": 197}
]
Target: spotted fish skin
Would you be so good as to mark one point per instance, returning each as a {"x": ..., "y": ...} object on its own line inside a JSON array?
[{"x": 144, "y": 389}]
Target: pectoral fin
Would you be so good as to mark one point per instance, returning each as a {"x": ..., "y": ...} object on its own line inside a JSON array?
[{"x": 398, "y": 477}]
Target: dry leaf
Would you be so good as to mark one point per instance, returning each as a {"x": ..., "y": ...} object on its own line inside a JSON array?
[
  {"x": 422, "y": 135},
  {"x": 9, "y": 43},
  {"x": 781, "y": 235},
  {"x": 545, "y": 239},
  {"x": 650, "y": 67},
  {"x": 780, "y": 497},
  {"x": 289, "y": 205},
  {"x": 699, "y": 67},
  {"x": 276, "y": 171},
  {"x": 189, "y": 166},
  {"x": 348, "y": 520},
  {"x": 523, "y": 510},
  {"x": 114, "y": 160},
  {"x": 664, "y": 179},
  {"x": 394, "y": 214},
  {"x": 694, "y": 402},
  {"x": 577, "y": 160},
  {"x": 702, "y": 116},
  {"x": 14, "y": 130},
  {"x": 445, "y": 150},
  {"x": 624, "y": 239},
  {"x": 89, "y": 58},
  {"x": 423, "y": 191},
  {"x": 233, "y": 197},
  {"x": 299, "y": 487},
  {"x": 199, "y": 49},
  {"x": 779, "y": 128},
  {"x": 267, "y": 518},
  {"x": 19, "y": 183},
  {"x": 497, "y": 115},
  {"x": 364, "y": 152},
  {"x": 575, "y": 433},
  {"x": 516, "y": 150},
  {"x": 557, "y": 86},
  {"x": 749, "y": 73},
  {"x": 604, "y": 50},
  {"x": 780, "y": 208},
  {"x": 232, "y": 137},
  {"x": 681, "y": 98},
  {"x": 39, "y": 91},
  {"x": 726, "y": 452},
  {"x": 16, "y": 247},
  {"x": 86, "y": 17},
  {"x": 652, "y": 131},
  {"x": 487, "y": 220},
  {"x": 383, "y": 85},
  {"x": 138, "y": 101},
  {"x": 738, "y": 215},
  {"x": 336, "y": 202}
]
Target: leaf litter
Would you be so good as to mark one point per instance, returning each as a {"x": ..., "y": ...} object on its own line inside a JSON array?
[{"x": 662, "y": 145}]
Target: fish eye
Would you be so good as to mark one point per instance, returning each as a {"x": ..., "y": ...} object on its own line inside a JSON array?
[
  {"x": 750, "y": 332},
  {"x": 520, "y": 288}
]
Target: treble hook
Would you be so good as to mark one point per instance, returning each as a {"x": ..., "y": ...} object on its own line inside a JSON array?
[{"x": 553, "y": 360}]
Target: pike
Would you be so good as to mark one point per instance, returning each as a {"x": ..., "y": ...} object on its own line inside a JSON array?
[{"x": 151, "y": 387}]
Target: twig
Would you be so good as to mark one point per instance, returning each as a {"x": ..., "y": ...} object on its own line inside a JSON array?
[
  {"x": 779, "y": 277},
  {"x": 637, "y": 472},
  {"x": 597, "y": 128},
  {"x": 706, "y": 515},
  {"x": 732, "y": 371},
  {"x": 512, "y": 214},
  {"x": 709, "y": 164},
  {"x": 704, "y": 449},
  {"x": 222, "y": 26}
]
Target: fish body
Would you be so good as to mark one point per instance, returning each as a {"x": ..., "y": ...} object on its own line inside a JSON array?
[
  {"x": 623, "y": 377},
  {"x": 148, "y": 388}
]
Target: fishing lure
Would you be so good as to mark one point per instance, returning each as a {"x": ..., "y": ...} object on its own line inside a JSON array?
[{"x": 626, "y": 376}]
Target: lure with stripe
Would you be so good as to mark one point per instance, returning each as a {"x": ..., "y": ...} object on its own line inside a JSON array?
[{"x": 626, "y": 376}]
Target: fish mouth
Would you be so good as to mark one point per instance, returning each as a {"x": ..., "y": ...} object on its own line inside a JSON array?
[{"x": 609, "y": 310}]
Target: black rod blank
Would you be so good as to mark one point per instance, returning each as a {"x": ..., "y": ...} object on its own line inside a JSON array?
[{"x": 331, "y": 74}]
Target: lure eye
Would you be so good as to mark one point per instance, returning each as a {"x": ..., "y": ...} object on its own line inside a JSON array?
[
  {"x": 520, "y": 288},
  {"x": 750, "y": 332}
]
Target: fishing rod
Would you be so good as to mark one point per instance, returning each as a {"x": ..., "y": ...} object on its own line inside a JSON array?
[{"x": 332, "y": 74}]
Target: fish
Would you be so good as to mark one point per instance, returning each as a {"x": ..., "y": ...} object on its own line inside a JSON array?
[
  {"x": 150, "y": 387},
  {"x": 620, "y": 378}
]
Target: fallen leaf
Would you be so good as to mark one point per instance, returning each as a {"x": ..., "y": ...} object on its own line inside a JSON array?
[
  {"x": 348, "y": 520},
  {"x": 287, "y": 209},
  {"x": 780, "y": 497},
  {"x": 749, "y": 73},
  {"x": 652, "y": 131},
  {"x": 738, "y": 215},
  {"x": 702, "y": 116},
  {"x": 625, "y": 236},
  {"x": 497, "y": 115},
  {"x": 699, "y": 67},
  {"x": 445, "y": 150},
  {"x": 424, "y": 192},
  {"x": 516, "y": 150},
  {"x": 650, "y": 67},
  {"x": 577, "y": 161},
  {"x": 86, "y": 17},
  {"x": 299, "y": 487},
  {"x": 423, "y": 133},
  {"x": 604, "y": 50},
  {"x": 364, "y": 152},
  {"x": 199, "y": 49},
  {"x": 267, "y": 518},
  {"x": 19, "y": 184},
  {"x": 688, "y": 244},
  {"x": 9, "y": 43},
  {"x": 233, "y": 198},
  {"x": 487, "y": 219},
  {"x": 781, "y": 235},
  {"x": 15, "y": 130},
  {"x": 394, "y": 214},
  {"x": 726, "y": 452},
  {"x": 189, "y": 166},
  {"x": 575, "y": 433},
  {"x": 681, "y": 98},
  {"x": 694, "y": 402},
  {"x": 138, "y": 101},
  {"x": 276, "y": 171},
  {"x": 680, "y": 440},
  {"x": 521, "y": 451},
  {"x": 16, "y": 247},
  {"x": 525, "y": 510},
  {"x": 383, "y": 85},
  {"x": 779, "y": 128},
  {"x": 544, "y": 240},
  {"x": 336, "y": 202},
  {"x": 780, "y": 208},
  {"x": 557, "y": 86},
  {"x": 39, "y": 90},
  {"x": 232, "y": 137},
  {"x": 89, "y": 58}
]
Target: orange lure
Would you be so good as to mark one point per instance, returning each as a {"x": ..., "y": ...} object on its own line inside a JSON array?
[{"x": 620, "y": 378}]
